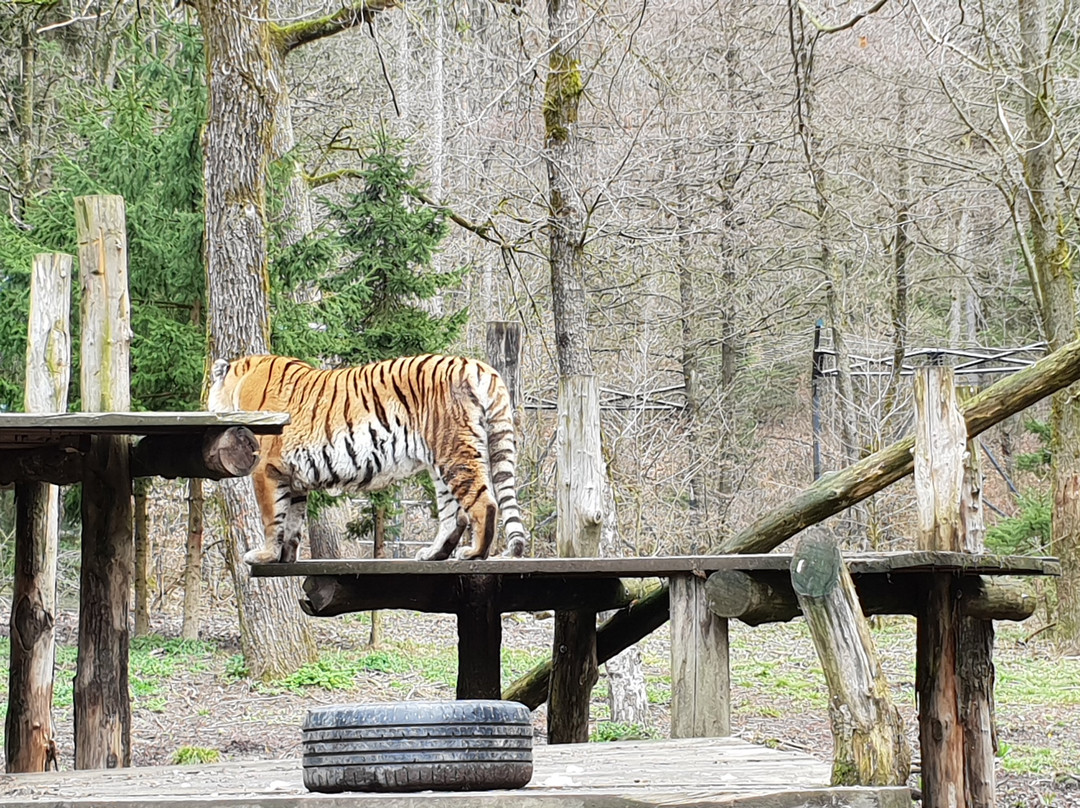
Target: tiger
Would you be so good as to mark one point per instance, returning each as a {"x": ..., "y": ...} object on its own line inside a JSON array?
[{"x": 365, "y": 428}]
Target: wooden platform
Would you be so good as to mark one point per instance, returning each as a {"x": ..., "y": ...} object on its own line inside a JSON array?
[{"x": 698, "y": 772}]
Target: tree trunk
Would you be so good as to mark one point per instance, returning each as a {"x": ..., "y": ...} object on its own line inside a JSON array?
[
  {"x": 193, "y": 561},
  {"x": 1050, "y": 266},
  {"x": 244, "y": 94}
]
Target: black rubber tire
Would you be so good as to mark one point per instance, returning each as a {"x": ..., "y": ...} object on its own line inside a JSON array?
[{"x": 465, "y": 745}]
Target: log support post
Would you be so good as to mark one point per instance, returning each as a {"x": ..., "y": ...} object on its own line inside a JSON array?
[
  {"x": 870, "y": 747},
  {"x": 102, "y": 699},
  {"x": 28, "y": 736},
  {"x": 479, "y": 638},
  {"x": 954, "y": 667},
  {"x": 579, "y": 503},
  {"x": 700, "y": 673}
]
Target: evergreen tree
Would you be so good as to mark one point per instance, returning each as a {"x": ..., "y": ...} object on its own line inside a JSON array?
[
  {"x": 368, "y": 273},
  {"x": 138, "y": 139}
]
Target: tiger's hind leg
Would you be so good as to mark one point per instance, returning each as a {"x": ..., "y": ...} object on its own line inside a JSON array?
[{"x": 452, "y": 524}]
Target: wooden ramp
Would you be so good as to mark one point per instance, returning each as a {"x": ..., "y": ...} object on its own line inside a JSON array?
[{"x": 691, "y": 772}]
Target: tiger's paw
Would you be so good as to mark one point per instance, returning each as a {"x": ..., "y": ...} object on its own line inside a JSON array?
[
  {"x": 515, "y": 548},
  {"x": 469, "y": 554},
  {"x": 429, "y": 554},
  {"x": 265, "y": 555}
]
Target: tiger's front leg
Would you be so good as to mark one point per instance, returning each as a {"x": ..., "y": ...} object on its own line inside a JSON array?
[{"x": 274, "y": 497}]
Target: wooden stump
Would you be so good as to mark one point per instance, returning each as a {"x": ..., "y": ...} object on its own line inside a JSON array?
[
  {"x": 870, "y": 748},
  {"x": 700, "y": 674}
]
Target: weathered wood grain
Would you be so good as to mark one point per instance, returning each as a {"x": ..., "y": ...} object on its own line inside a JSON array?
[
  {"x": 672, "y": 773},
  {"x": 700, "y": 673},
  {"x": 102, "y": 700},
  {"x": 869, "y": 744},
  {"x": 768, "y": 597},
  {"x": 28, "y": 737}
]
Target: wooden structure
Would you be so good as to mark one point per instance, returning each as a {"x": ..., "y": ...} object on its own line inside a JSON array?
[
  {"x": 478, "y": 592},
  {"x": 66, "y": 448},
  {"x": 647, "y": 774}
]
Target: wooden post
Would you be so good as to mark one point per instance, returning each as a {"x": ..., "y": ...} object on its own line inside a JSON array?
[
  {"x": 479, "y": 638},
  {"x": 193, "y": 561},
  {"x": 700, "y": 673},
  {"x": 102, "y": 701},
  {"x": 142, "y": 558},
  {"x": 869, "y": 745},
  {"x": 28, "y": 740},
  {"x": 504, "y": 354},
  {"x": 579, "y": 503},
  {"x": 976, "y": 648},
  {"x": 940, "y": 449}
]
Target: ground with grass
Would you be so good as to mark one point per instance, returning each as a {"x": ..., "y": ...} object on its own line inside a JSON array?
[{"x": 194, "y": 702}]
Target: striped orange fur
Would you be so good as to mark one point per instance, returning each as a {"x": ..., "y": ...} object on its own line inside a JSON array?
[{"x": 367, "y": 427}]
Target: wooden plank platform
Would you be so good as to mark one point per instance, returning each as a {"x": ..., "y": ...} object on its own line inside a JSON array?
[
  {"x": 629, "y": 774},
  {"x": 26, "y": 430},
  {"x": 666, "y": 566}
]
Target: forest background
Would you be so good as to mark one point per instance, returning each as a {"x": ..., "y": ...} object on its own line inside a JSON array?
[{"x": 733, "y": 175}]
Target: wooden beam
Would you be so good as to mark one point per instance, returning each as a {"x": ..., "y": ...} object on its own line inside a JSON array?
[
  {"x": 756, "y": 598},
  {"x": 28, "y": 736},
  {"x": 869, "y": 745},
  {"x": 232, "y": 452},
  {"x": 102, "y": 697}
]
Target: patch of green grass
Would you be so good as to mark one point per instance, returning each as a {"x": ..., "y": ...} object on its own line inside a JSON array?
[
  {"x": 236, "y": 667},
  {"x": 331, "y": 671},
  {"x": 188, "y": 755},
  {"x": 1027, "y": 759},
  {"x": 618, "y": 731},
  {"x": 387, "y": 661},
  {"x": 441, "y": 668},
  {"x": 658, "y": 689},
  {"x": 1039, "y": 681}
]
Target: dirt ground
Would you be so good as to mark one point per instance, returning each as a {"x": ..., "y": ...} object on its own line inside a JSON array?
[{"x": 777, "y": 690}]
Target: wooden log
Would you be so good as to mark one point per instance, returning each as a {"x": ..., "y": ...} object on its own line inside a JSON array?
[
  {"x": 28, "y": 736},
  {"x": 870, "y": 748},
  {"x": 102, "y": 699},
  {"x": 761, "y": 598},
  {"x": 835, "y": 492},
  {"x": 940, "y": 445},
  {"x": 479, "y": 627},
  {"x": 193, "y": 561},
  {"x": 975, "y": 665},
  {"x": 579, "y": 503},
  {"x": 232, "y": 452},
  {"x": 219, "y": 454},
  {"x": 700, "y": 674},
  {"x": 940, "y": 736}
]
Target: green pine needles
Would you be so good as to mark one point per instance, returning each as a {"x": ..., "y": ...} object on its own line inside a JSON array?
[{"x": 362, "y": 287}]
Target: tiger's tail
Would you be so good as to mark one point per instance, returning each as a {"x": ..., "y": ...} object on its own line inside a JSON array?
[{"x": 502, "y": 461}]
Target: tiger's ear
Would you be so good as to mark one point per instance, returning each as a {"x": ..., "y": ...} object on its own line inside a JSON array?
[{"x": 218, "y": 370}]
